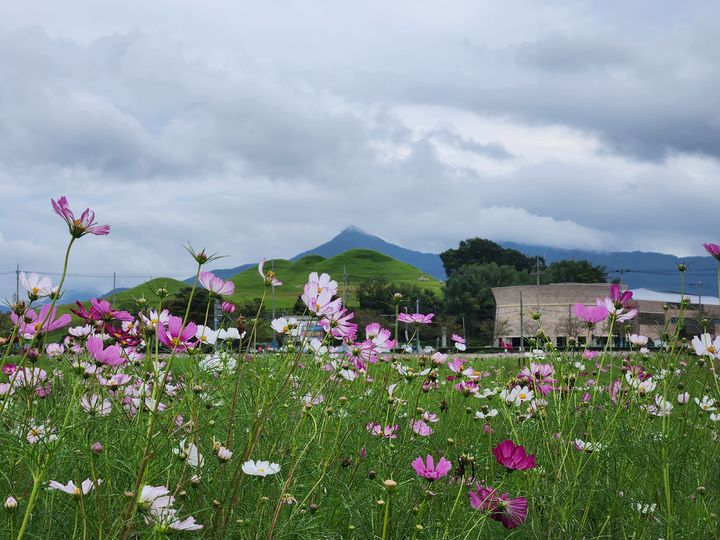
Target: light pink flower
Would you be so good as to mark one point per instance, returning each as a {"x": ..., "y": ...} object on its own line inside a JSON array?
[
  {"x": 85, "y": 224},
  {"x": 216, "y": 287}
]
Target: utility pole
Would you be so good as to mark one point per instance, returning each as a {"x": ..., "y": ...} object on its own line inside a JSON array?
[
  {"x": 417, "y": 332},
  {"x": 522, "y": 325},
  {"x": 538, "y": 273},
  {"x": 272, "y": 295},
  {"x": 17, "y": 283}
]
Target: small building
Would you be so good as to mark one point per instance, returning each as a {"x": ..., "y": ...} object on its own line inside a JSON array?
[{"x": 515, "y": 306}]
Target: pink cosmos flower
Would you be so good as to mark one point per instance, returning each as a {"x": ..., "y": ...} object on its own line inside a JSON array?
[
  {"x": 509, "y": 512},
  {"x": 320, "y": 303},
  {"x": 428, "y": 470},
  {"x": 339, "y": 324},
  {"x": 175, "y": 337},
  {"x": 111, "y": 355},
  {"x": 415, "y": 318},
  {"x": 228, "y": 307},
  {"x": 79, "y": 227},
  {"x": 216, "y": 287},
  {"x": 590, "y": 314},
  {"x": 32, "y": 323},
  {"x": 513, "y": 457},
  {"x": 617, "y": 303},
  {"x": 387, "y": 432},
  {"x": 713, "y": 249},
  {"x": 323, "y": 282},
  {"x": 539, "y": 376},
  {"x": 421, "y": 428}
]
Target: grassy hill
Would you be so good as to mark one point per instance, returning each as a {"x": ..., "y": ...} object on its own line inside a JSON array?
[{"x": 359, "y": 265}]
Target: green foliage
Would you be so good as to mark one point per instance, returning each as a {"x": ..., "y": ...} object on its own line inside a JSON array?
[
  {"x": 468, "y": 292},
  {"x": 177, "y": 303},
  {"x": 377, "y": 295},
  {"x": 481, "y": 251},
  {"x": 570, "y": 271}
]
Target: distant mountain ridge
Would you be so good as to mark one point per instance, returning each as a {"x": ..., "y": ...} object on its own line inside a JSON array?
[{"x": 639, "y": 269}]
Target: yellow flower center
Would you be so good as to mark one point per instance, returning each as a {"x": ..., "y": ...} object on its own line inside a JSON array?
[
  {"x": 523, "y": 396},
  {"x": 261, "y": 470},
  {"x": 711, "y": 349}
]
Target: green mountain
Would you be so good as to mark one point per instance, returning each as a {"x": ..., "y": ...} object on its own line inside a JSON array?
[{"x": 349, "y": 269}]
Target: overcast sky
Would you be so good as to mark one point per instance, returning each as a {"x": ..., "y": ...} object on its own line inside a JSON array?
[{"x": 262, "y": 129}]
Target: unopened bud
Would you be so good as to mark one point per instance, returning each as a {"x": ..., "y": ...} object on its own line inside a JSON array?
[
  {"x": 390, "y": 484},
  {"x": 11, "y": 503}
]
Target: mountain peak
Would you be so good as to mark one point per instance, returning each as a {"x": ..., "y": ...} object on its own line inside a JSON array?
[{"x": 352, "y": 229}]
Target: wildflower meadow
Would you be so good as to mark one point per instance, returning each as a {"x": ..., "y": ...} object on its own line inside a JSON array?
[{"x": 146, "y": 424}]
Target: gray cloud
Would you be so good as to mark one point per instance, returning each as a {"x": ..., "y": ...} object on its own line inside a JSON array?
[{"x": 263, "y": 133}]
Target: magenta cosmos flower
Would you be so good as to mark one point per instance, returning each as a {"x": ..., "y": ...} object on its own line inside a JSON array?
[
  {"x": 174, "y": 336},
  {"x": 428, "y": 470},
  {"x": 713, "y": 249},
  {"x": 111, "y": 355},
  {"x": 512, "y": 457},
  {"x": 415, "y": 318},
  {"x": 509, "y": 512},
  {"x": 85, "y": 224},
  {"x": 216, "y": 287}
]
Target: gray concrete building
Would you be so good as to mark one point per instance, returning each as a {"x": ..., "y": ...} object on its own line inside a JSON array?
[{"x": 657, "y": 312}]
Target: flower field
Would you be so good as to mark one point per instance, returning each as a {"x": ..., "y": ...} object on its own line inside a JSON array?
[{"x": 146, "y": 424}]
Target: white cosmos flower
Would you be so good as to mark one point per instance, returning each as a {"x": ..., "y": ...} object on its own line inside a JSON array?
[
  {"x": 638, "y": 340},
  {"x": 707, "y": 404},
  {"x": 36, "y": 286},
  {"x": 588, "y": 447},
  {"x": 489, "y": 414},
  {"x": 80, "y": 331},
  {"x": 284, "y": 325},
  {"x": 229, "y": 334},
  {"x": 94, "y": 405},
  {"x": 705, "y": 345},
  {"x": 206, "y": 334},
  {"x": 155, "y": 497},
  {"x": 519, "y": 394},
  {"x": 71, "y": 489},
  {"x": 662, "y": 407},
  {"x": 41, "y": 434},
  {"x": 683, "y": 398},
  {"x": 224, "y": 454},
  {"x": 191, "y": 453},
  {"x": 260, "y": 468}
]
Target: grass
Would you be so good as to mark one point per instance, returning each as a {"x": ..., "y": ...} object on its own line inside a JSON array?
[{"x": 331, "y": 481}]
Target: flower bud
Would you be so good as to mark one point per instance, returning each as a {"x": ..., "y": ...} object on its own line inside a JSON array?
[
  {"x": 10, "y": 503},
  {"x": 390, "y": 484},
  {"x": 96, "y": 447}
]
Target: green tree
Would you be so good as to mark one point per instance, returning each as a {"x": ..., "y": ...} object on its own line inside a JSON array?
[
  {"x": 468, "y": 293},
  {"x": 177, "y": 303},
  {"x": 574, "y": 272},
  {"x": 482, "y": 251}
]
